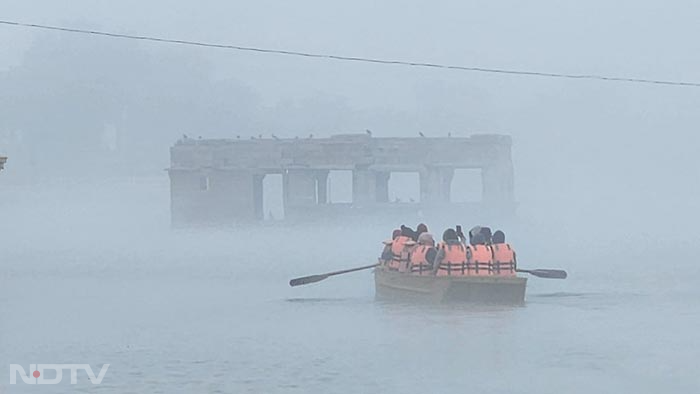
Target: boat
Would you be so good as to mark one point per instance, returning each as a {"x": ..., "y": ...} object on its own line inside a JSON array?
[
  {"x": 394, "y": 285},
  {"x": 406, "y": 287}
]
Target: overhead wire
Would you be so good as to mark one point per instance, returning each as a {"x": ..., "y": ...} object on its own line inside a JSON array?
[{"x": 352, "y": 58}]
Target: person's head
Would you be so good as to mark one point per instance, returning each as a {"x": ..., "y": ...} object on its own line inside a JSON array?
[
  {"x": 407, "y": 231},
  {"x": 426, "y": 239},
  {"x": 478, "y": 239},
  {"x": 422, "y": 228},
  {"x": 486, "y": 232},
  {"x": 449, "y": 235},
  {"x": 474, "y": 231},
  {"x": 396, "y": 234},
  {"x": 499, "y": 237}
]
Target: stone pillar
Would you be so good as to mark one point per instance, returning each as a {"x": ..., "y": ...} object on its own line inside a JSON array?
[
  {"x": 446, "y": 175},
  {"x": 322, "y": 187},
  {"x": 382, "y": 186},
  {"x": 435, "y": 185},
  {"x": 299, "y": 188}
]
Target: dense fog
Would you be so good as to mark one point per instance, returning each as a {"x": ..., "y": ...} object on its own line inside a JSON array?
[{"x": 607, "y": 179}]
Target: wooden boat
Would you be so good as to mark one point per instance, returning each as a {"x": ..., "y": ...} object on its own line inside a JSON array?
[{"x": 393, "y": 285}]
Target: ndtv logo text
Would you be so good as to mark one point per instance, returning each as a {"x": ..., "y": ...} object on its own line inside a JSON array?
[{"x": 36, "y": 373}]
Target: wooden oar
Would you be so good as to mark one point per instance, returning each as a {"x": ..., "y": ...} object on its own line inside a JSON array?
[
  {"x": 544, "y": 273},
  {"x": 317, "y": 278}
]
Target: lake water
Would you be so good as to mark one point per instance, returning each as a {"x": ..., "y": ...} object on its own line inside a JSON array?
[{"x": 94, "y": 275}]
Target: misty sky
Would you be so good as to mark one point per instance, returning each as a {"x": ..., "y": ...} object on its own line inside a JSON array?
[{"x": 617, "y": 153}]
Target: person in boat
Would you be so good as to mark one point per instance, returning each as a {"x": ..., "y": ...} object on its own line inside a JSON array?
[
  {"x": 479, "y": 256},
  {"x": 423, "y": 255},
  {"x": 473, "y": 232},
  {"x": 399, "y": 249},
  {"x": 420, "y": 229},
  {"x": 451, "y": 259},
  {"x": 504, "y": 261},
  {"x": 460, "y": 234},
  {"x": 409, "y": 232},
  {"x": 486, "y": 232},
  {"x": 478, "y": 239},
  {"x": 386, "y": 253}
]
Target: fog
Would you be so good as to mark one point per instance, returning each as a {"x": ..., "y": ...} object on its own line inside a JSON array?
[{"x": 607, "y": 179}]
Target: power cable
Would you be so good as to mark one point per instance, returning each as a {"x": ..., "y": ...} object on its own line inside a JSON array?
[{"x": 353, "y": 58}]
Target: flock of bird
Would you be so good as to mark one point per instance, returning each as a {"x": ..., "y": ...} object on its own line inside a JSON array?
[{"x": 260, "y": 136}]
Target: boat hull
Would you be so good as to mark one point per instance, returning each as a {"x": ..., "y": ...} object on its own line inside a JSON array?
[{"x": 391, "y": 285}]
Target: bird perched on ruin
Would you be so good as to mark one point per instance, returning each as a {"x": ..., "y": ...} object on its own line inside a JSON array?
[
  {"x": 420, "y": 133},
  {"x": 275, "y": 137},
  {"x": 369, "y": 132},
  {"x": 184, "y": 136},
  {"x": 238, "y": 137}
]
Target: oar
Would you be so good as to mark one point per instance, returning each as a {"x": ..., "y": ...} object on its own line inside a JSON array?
[
  {"x": 544, "y": 273},
  {"x": 317, "y": 278}
]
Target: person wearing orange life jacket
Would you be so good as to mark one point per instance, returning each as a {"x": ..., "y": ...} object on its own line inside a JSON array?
[
  {"x": 386, "y": 256},
  {"x": 504, "y": 261},
  {"x": 399, "y": 252},
  {"x": 409, "y": 247},
  {"x": 479, "y": 256},
  {"x": 420, "y": 229},
  {"x": 486, "y": 232},
  {"x": 473, "y": 232},
  {"x": 412, "y": 245},
  {"x": 423, "y": 255},
  {"x": 451, "y": 259}
]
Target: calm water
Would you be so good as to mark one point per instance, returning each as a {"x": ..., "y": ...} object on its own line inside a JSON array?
[{"x": 100, "y": 278}]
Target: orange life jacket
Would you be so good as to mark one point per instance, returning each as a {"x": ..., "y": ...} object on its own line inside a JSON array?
[
  {"x": 405, "y": 263},
  {"x": 399, "y": 256},
  {"x": 418, "y": 261},
  {"x": 503, "y": 260},
  {"x": 455, "y": 260},
  {"x": 480, "y": 261}
]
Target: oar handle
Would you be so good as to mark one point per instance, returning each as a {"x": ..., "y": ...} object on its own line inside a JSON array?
[{"x": 352, "y": 270}]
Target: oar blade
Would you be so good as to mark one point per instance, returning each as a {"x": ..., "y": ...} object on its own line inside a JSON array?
[
  {"x": 549, "y": 274},
  {"x": 307, "y": 280}
]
